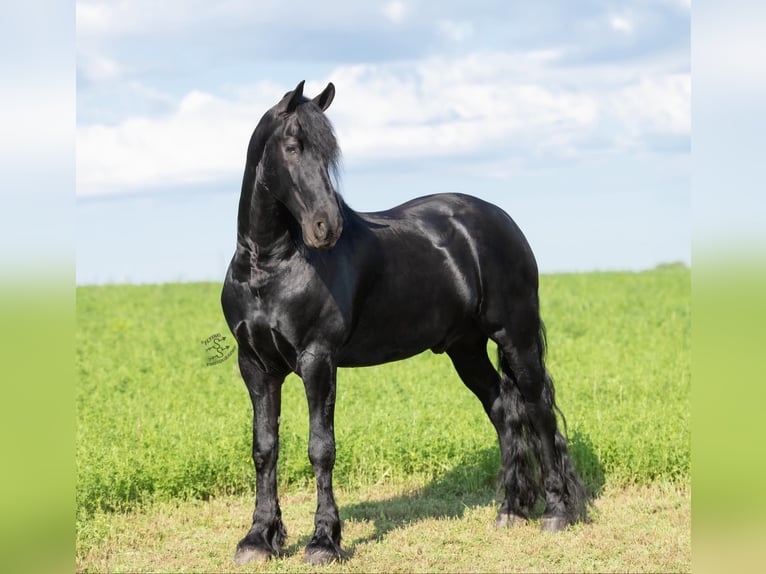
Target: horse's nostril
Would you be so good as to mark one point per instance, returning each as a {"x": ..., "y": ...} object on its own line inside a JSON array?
[{"x": 321, "y": 229}]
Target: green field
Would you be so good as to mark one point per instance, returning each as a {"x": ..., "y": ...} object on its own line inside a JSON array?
[{"x": 157, "y": 425}]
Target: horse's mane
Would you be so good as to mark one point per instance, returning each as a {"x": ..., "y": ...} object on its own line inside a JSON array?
[{"x": 320, "y": 136}]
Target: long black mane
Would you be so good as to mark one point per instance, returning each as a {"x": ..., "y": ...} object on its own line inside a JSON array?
[{"x": 319, "y": 134}]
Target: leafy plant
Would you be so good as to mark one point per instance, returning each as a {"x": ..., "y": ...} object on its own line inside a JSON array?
[{"x": 156, "y": 422}]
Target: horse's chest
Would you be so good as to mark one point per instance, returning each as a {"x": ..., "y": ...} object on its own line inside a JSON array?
[
  {"x": 261, "y": 339},
  {"x": 276, "y": 330}
]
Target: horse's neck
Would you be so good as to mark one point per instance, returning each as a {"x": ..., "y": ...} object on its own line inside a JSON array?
[{"x": 262, "y": 231}]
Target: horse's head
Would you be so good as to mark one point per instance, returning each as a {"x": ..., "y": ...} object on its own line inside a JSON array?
[{"x": 298, "y": 154}]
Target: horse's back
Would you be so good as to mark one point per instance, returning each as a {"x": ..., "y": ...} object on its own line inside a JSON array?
[
  {"x": 438, "y": 205},
  {"x": 453, "y": 221}
]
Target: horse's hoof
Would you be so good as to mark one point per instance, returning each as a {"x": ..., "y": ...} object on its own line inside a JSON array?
[
  {"x": 554, "y": 523},
  {"x": 317, "y": 554},
  {"x": 320, "y": 556},
  {"x": 506, "y": 520},
  {"x": 247, "y": 554}
]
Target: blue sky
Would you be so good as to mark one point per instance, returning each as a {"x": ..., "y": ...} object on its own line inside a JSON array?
[{"x": 573, "y": 117}]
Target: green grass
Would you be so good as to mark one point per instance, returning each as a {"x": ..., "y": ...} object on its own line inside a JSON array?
[{"x": 157, "y": 425}]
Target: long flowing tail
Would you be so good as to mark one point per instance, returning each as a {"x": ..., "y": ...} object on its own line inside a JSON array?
[
  {"x": 523, "y": 475},
  {"x": 520, "y": 470}
]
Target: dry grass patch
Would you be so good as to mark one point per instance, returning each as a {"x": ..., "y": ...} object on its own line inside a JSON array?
[{"x": 398, "y": 529}]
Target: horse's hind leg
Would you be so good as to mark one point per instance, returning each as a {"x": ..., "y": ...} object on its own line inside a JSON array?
[
  {"x": 469, "y": 357},
  {"x": 523, "y": 376}
]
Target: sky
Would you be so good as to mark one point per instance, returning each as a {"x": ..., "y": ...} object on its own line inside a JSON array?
[{"x": 575, "y": 118}]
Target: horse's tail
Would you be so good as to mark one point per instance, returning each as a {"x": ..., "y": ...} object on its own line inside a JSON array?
[
  {"x": 520, "y": 472},
  {"x": 523, "y": 478}
]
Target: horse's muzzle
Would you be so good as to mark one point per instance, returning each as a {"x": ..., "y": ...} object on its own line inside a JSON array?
[{"x": 321, "y": 232}]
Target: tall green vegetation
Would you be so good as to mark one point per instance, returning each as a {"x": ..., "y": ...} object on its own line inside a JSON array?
[{"x": 156, "y": 422}]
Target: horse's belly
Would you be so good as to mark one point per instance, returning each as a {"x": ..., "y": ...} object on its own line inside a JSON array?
[
  {"x": 396, "y": 335},
  {"x": 365, "y": 356}
]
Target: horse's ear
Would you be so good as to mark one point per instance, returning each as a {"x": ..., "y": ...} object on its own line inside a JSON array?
[
  {"x": 324, "y": 99},
  {"x": 291, "y": 100}
]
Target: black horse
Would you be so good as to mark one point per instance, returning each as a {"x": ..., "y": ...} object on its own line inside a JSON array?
[{"x": 314, "y": 286}]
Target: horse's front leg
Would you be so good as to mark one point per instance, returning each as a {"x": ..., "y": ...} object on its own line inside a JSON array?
[
  {"x": 267, "y": 534},
  {"x": 318, "y": 372}
]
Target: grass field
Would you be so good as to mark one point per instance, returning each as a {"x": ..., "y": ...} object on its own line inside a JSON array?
[
  {"x": 164, "y": 438},
  {"x": 394, "y": 528}
]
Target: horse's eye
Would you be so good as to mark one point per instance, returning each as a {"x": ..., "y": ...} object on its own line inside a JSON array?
[{"x": 292, "y": 147}]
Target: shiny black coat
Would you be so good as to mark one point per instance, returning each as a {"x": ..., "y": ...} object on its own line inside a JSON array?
[
  {"x": 314, "y": 285},
  {"x": 396, "y": 283}
]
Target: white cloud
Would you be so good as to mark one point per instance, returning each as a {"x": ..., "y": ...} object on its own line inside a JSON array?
[
  {"x": 455, "y": 31},
  {"x": 395, "y": 10},
  {"x": 119, "y": 17},
  {"x": 655, "y": 105},
  {"x": 205, "y": 138},
  {"x": 448, "y": 107},
  {"x": 93, "y": 17},
  {"x": 516, "y": 106},
  {"x": 99, "y": 68},
  {"x": 110, "y": 21},
  {"x": 621, "y": 24}
]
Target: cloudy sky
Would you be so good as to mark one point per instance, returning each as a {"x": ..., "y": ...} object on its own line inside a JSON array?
[{"x": 574, "y": 117}]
